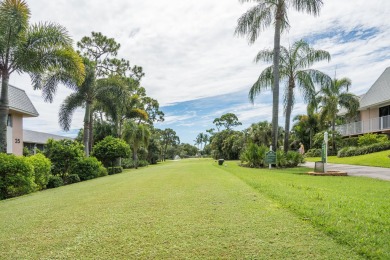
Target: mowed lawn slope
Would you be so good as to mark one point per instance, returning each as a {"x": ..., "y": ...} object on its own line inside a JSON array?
[
  {"x": 379, "y": 159},
  {"x": 187, "y": 209}
]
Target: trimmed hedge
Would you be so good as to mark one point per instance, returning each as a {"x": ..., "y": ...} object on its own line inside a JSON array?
[
  {"x": 42, "y": 169},
  {"x": 16, "y": 176},
  {"x": 72, "y": 178},
  {"x": 54, "y": 182},
  {"x": 114, "y": 170},
  {"x": 86, "y": 168},
  {"x": 355, "y": 151},
  {"x": 128, "y": 163}
]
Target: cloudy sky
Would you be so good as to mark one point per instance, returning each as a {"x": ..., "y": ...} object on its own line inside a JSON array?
[{"x": 195, "y": 66}]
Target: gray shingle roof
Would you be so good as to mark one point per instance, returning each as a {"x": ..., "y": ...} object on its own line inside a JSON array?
[
  {"x": 40, "y": 138},
  {"x": 19, "y": 102},
  {"x": 379, "y": 92}
]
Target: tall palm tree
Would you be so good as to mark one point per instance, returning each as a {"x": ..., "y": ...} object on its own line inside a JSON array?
[
  {"x": 44, "y": 51},
  {"x": 332, "y": 97},
  {"x": 294, "y": 69},
  {"x": 261, "y": 16},
  {"x": 86, "y": 95},
  {"x": 136, "y": 135}
]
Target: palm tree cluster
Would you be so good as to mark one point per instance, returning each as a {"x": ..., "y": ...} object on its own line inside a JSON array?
[
  {"x": 112, "y": 96},
  {"x": 292, "y": 66},
  {"x": 261, "y": 16}
]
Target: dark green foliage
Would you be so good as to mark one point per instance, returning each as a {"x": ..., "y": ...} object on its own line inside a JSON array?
[
  {"x": 86, "y": 168},
  {"x": 154, "y": 149},
  {"x": 114, "y": 170},
  {"x": 227, "y": 145},
  {"x": 368, "y": 139},
  {"x": 373, "y": 148},
  {"x": 128, "y": 163},
  {"x": 254, "y": 156},
  {"x": 72, "y": 178},
  {"x": 63, "y": 154},
  {"x": 109, "y": 149},
  {"x": 54, "y": 182},
  {"x": 350, "y": 141},
  {"x": 16, "y": 176},
  {"x": 315, "y": 152},
  {"x": 42, "y": 166}
]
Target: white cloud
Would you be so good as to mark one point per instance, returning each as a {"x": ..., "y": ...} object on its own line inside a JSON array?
[{"x": 188, "y": 50}]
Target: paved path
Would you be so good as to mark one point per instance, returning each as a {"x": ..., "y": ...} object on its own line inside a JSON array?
[{"x": 355, "y": 170}]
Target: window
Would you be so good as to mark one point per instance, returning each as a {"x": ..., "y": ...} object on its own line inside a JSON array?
[
  {"x": 384, "y": 111},
  {"x": 9, "y": 120}
]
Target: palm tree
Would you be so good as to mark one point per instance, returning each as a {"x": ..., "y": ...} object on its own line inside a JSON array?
[
  {"x": 122, "y": 104},
  {"x": 44, "y": 51},
  {"x": 86, "y": 95},
  {"x": 199, "y": 141},
  {"x": 136, "y": 135},
  {"x": 294, "y": 70},
  {"x": 332, "y": 97},
  {"x": 261, "y": 16}
]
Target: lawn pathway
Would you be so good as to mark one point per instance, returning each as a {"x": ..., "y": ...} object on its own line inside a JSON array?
[{"x": 177, "y": 210}]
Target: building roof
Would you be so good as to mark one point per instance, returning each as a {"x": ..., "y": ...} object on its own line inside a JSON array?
[
  {"x": 379, "y": 93},
  {"x": 19, "y": 102},
  {"x": 40, "y": 138}
]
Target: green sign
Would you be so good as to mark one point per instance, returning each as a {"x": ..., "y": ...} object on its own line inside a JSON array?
[
  {"x": 270, "y": 157},
  {"x": 323, "y": 153}
]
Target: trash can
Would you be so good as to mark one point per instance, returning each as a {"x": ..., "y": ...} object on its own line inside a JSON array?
[{"x": 221, "y": 161}]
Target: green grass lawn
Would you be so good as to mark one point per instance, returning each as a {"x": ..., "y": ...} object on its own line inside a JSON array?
[
  {"x": 197, "y": 209},
  {"x": 379, "y": 159}
]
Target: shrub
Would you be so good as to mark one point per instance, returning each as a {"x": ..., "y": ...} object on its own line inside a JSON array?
[
  {"x": 109, "y": 149},
  {"x": 86, "y": 168},
  {"x": 42, "y": 166},
  {"x": 314, "y": 152},
  {"x": 16, "y": 176},
  {"x": 102, "y": 171},
  {"x": 368, "y": 139},
  {"x": 143, "y": 163},
  {"x": 54, "y": 182},
  {"x": 373, "y": 148},
  {"x": 254, "y": 155},
  {"x": 63, "y": 154},
  {"x": 72, "y": 178},
  {"x": 348, "y": 142},
  {"x": 114, "y": 170},
  {"x": 289, "y": 159},
  {"x": 128, "y": 163}
]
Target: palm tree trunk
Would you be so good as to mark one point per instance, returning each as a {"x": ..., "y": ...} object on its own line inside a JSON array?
[
  {"x": 86, "y": 128},
  {"x": 333, "y": 130},
  {"x": 275, "y": 92},
  {"x": 288, "y": 116},
  {"x": 4, "y": 110},
  {"x": 310, "y": 138},
  {"x": 135, "y": 157},
  {"x": 90, "y": 130}
]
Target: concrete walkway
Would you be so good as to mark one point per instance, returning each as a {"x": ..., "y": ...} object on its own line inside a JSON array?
[{"x": 355, "y": 170}]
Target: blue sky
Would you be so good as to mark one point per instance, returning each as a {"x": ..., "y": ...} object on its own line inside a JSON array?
[{"x": 197, "y": 69}]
